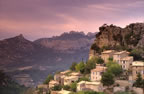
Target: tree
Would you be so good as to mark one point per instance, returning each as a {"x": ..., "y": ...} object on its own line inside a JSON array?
[
  {"x": 50, "y": 77},
  {"x": 99, "y": 60},
  {"x": 109, "y": 63},
  {"x": 95, "y": 47},
  {"x": 80, "y": 67},
  {"x": 110, "y": 59},
  {"x": 4, "y": 79},
  {"x": 66, "y": 87},
  {"x": 57, "y": 88},
  {"x": 73, "y": 66},
  {"x": 84, "y": 79},
  {"x": 90, "y": 65},
  {"x": 139, "y": 81},
  {"x": 107, "y": 79},
  {"x": 114, "y": 68},
  {"x": 136, "y": 53},
  {"x": 73, "y": 86},
  {"x": 9, "y": 86}
]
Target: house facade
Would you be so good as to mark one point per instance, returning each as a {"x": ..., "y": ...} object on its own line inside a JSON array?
[
  {"x": 122, "y": 58},
  {"x": 126, "y": 62},
  {"x": 118, "y": 56},
  {"x": 70, "y": 79},
  {"x": 60, "y": 77},
  {"x": 96, "y": 74},
  {"x": 107, "y": 54},
  {"x": 52, "y": 83},
  {"x": 86, "y": 86},
  {"x": 137, "y": 67}
]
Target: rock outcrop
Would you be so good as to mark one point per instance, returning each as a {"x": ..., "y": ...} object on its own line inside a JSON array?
[{"x": 114, "y": 37}]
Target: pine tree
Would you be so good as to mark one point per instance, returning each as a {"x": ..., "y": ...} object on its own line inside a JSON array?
[{"x": 139, "y": 81}]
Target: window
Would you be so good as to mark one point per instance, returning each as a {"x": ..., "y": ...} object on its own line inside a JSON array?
[
  {"x": 124, "y": 62},
  {"x": 124, "y": 66},
  {"x": 142, "y": 72}
]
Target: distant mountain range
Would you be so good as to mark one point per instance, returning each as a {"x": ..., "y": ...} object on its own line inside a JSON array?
[
  {"x": 43, "y": 56},
  {"x": 68, "y": 42}
]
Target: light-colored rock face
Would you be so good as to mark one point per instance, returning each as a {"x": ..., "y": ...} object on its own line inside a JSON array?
[
  {"x": 131, "y": 36},
  {"x": 112, "y": 37}
]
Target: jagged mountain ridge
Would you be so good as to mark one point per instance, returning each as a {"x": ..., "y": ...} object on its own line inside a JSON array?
[{"x": 68, "y": 42}]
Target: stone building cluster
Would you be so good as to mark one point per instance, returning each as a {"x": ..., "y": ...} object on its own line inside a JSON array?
[{"x": 122, "y": 58}]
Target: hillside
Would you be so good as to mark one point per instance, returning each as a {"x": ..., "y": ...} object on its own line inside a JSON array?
[
  {"x": 130, "y": 38},
  {"x": 33, "y": 61}
]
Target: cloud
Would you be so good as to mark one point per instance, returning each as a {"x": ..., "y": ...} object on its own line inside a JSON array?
[{"x": 45, "y": 18}]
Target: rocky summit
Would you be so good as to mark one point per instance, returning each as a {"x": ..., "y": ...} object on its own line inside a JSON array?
[{"x": 113, "y": 37}]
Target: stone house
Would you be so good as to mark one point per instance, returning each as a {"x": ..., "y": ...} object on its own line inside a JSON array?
[
  {"x": 137, "y": 67},
  {"x": 64, "y": 92},
  {"x": 120, "y": 55},
  {"x": 70, "y": 79},
  {"x": 123, "y": 59},
  {"x": 78, "y": 74},
  {"x": 105, "y": 55},
  {"x": 60, "y": 77},
  {"x": 96, "y": 74},
  {"x": 86, "y": 86},
  {"x": 126, "y": 62},
  {"x": 45, "y": 86},
  {"x": 52, "y": 83}
]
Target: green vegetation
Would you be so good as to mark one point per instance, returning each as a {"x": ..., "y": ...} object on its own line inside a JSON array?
[
  {"x": 107, "y": 79},
  {"x": 57, "y": 88},
  {"x": 88, "y": 92},
  {"x": 50, "y": 77},
  {"x": 73, "y": 86},
  {"x": 80, "y": 67},
  {"x": 85, "y": 68},
  {"x": 95, "y": 47},
  {"x": 84, "y": 79},
  {"x": 73, "y": 66},
  {"x": 8, "y": 86},
  {"x": 90, "y": 64},
  {"x": 99, "y": 60},
  {"x": 139, "y": 81},
  {"x": 114, "y": 68},
  {"x": 66, "y": 87},
  {"x": 110, "y": 59},
  {"x": 136, "y": 53}
]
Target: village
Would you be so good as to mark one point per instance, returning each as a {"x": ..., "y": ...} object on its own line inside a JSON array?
[{"x": 110, "y": 73}]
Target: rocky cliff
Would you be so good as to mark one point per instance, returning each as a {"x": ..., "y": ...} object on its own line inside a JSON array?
[{"x": 113, "y": 37}]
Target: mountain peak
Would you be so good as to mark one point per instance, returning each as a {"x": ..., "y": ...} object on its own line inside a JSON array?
[{"x": 20, "y": 36}]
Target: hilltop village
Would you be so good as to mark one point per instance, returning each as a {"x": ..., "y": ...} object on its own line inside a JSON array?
[{"x": 112, "y": 72}]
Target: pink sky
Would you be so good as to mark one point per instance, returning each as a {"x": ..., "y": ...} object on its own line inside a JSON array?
[{"x": 45, "y": 18}]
